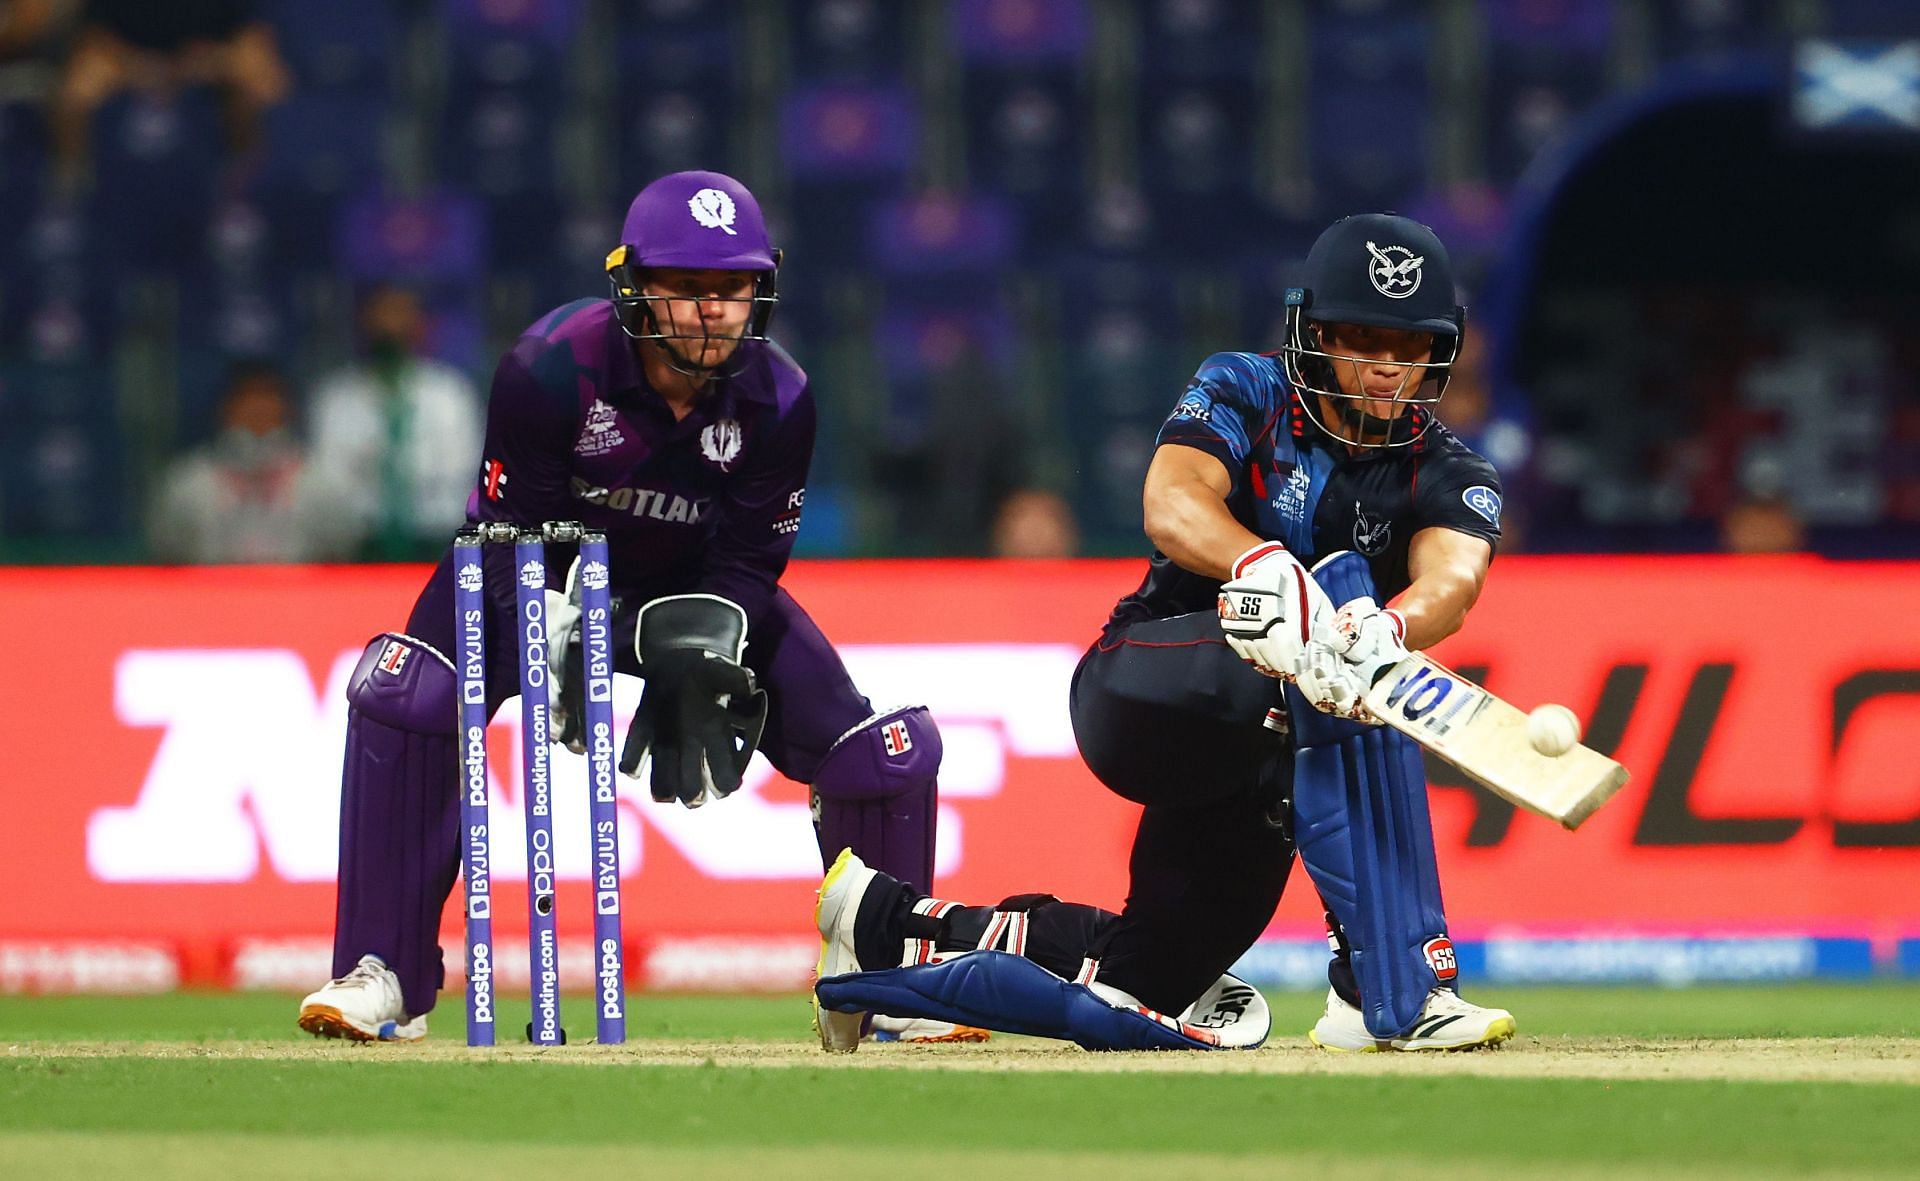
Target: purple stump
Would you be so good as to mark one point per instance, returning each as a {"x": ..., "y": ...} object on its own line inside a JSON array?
[
  {"x": 596, "y": 649},
  {"x": 470, "y": 632},
  {"x": 543, "y": 942}
]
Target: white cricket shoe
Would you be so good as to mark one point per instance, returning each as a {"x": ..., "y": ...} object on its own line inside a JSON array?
[
  {"x": 1446, "y": 1023},
  {"x": 833, "y": 914},
  {"x": 924, "y": 1030},
  {"x": 363, "y": 1005}
]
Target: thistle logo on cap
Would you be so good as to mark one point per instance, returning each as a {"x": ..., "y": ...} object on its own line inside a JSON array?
[
  {"x": 713, "y": 208},
  {"x": 1395, "y": 270}
]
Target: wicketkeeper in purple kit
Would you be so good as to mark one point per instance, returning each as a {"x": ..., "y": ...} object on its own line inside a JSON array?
[{"x": 665, "y": 418}]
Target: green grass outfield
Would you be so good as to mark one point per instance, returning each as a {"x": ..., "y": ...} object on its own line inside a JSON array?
[{"x": 1618, "y": 1082}]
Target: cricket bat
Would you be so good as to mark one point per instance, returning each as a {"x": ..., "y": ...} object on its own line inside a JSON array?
[{"x": 1487, "y": 738}]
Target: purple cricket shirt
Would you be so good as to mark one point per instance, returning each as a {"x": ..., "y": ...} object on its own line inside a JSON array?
[{"x": 710, "y": 503}]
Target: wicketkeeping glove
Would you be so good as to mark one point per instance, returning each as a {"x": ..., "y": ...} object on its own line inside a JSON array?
[
  {"x": 565, "y": 725},
  {"x": 1271, "y": 608},
  {"x": 701, "y": 715}
]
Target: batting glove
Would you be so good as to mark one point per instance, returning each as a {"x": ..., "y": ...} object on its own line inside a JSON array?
[
  {"x": 1369, "y": 638},
  {"x": 1330, "y": 683},
  {"x": 1271, "y": 608}
]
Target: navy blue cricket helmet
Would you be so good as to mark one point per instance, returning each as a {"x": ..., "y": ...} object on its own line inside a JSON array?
[{"x": 1386, "y": 271}]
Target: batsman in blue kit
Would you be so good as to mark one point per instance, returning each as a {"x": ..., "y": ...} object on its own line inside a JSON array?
[
  {"x": 665, "y": 418},
  {"x": 1312, "y": 522}
]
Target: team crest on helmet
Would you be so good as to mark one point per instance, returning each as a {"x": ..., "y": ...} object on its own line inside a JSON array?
[
  {"x": 713, "y": 208},
  {"x": 1394, "y": 270},
  {"x": 720, "y": 442}
]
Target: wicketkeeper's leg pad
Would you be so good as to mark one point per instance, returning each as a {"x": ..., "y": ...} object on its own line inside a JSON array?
[
  {"x": 874, "y": 792},
  {"x": 1001, "y": 991},
  {"x": 1365, "y": 836},
  {"x": 399, "y": 814}
]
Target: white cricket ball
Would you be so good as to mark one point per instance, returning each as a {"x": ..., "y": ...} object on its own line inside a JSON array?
[{"x": 1553, "y": 730}]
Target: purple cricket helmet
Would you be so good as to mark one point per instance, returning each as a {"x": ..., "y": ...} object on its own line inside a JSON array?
[
  {"x": 698, "y": 220},
  {"x": 692, "y": 221}
]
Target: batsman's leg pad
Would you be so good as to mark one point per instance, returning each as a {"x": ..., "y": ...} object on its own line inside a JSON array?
[
  {"x": 998, "y": 990},
  {"x": 874, "y": 792},
  {"x": 1364, "y": 834},
  {"x": 399, "y": 814}
]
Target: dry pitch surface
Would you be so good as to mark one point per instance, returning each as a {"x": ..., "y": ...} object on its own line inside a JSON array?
[
  {"x": 1884, "y": 1060},
  {"x": 1808, "y": 1081}
]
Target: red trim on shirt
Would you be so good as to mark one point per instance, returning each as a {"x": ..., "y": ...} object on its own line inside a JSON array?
[{"x": 1103, "y": 645}]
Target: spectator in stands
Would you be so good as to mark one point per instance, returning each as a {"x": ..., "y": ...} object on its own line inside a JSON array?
[
  {"x": 1762, "y": 525},
  {"x": 25, "y": 25},
  {"x": 160, "y": 48},
  {"x": 401, "y": 431},
  {"x": 1035, "y": 523},
  {"x": 965, "y": 452},
  {"x": 248, "y": 496}
]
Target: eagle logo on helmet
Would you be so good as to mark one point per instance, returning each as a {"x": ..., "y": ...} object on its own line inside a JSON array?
[
  {"x": 713, "y": 208},
  {"x": 1395, "y": 270}
]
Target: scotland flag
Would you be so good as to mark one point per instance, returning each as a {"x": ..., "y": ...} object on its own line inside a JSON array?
[{"x": 1857, "y": 86}]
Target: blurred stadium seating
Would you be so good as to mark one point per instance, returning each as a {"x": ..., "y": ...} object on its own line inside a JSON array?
[{"x": 1045, "y": 211}]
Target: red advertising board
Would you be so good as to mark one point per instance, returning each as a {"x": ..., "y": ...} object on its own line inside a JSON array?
[{"x": 172, "y": 747}]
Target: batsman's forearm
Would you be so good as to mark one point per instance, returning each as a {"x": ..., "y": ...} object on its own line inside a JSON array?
[
  {"x": 1189, "y": 522},
  {"x": 1436, "y": 605}
]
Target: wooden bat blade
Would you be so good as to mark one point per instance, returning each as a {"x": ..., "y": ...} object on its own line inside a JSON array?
[{"x": 1487, "y": 738}]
